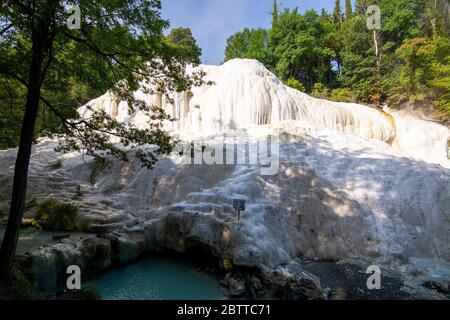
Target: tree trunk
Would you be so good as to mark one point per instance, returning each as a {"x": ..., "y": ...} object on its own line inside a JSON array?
[
  {"x": 9, "y": 243},
  {"x": 377, "y": 47}
]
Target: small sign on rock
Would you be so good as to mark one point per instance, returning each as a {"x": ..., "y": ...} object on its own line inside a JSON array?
[{"x": 239, "y": 204}]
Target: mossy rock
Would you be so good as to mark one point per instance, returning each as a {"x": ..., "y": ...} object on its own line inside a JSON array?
[
  {"x": 57, "y": 216},
  {"x": 21, "y": 288}
]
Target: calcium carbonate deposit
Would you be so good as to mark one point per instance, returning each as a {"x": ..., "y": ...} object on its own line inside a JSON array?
[{"x": 352, "y": 181}]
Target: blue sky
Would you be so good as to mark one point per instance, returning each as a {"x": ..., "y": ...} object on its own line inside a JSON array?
[{"x": 213, "y": 21}]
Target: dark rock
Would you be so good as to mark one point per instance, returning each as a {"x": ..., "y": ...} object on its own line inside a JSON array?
[
  {"x": 61, "y": 236},
  {"x": 250, "y": 289},
  {"x": 440, "y": 286},
  {"x": 96, "y": 253},
  {"x": 292, "y": 282},
  {"x": 127, "y": 247},
  {"x": 235, "y": 284}
]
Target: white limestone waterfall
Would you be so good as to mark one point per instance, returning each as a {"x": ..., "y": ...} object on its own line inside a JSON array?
[{"x": 245, "y": 93}]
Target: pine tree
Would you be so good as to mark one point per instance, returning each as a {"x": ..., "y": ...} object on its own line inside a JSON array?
[
  {"x": 274, "y": 12},
  {"x": 348, "y": 9},
  {"x": 337, "y": 12}
]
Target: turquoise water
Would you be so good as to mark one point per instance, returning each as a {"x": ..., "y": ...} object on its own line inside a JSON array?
[{"x": 158, "y": 278}]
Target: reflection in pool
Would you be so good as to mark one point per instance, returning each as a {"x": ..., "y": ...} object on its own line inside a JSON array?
[{"x": 158, "y": 278}]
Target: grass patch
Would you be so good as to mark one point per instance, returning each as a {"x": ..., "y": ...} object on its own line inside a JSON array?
[
  {"x": 55, "y": 165},
  {"x": 55, "y": 215}
]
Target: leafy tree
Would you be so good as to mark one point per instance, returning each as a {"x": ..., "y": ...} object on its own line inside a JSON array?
[
  {"x": 426, "y": 70},
  {"x": 358, "y": 59},
  {"x": 400, "y": 20},
  {"x": 300, "y": 45},
  {"x": 183, "y": 37},
  {"x": 248, "y": 44},
  {"x": 415, "y": 59},
  {"x": 436, "y": 20},
  {"x": 119, "y": 46},
  {"x": 274, "y": 12}
]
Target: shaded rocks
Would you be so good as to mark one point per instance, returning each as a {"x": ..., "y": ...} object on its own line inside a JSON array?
[
  {"x": 126, "y": 247},
  {"x": 235, "y": 284},
  {"x": 440, "y": 286},
  {"x": 61, "y": 236},
  {"x": 291, "y": 282},
  {"x": 288, "y": 282},
  {"x": 243, "y": 285},
  {"x": 47, "y": 266},
  {"x": 96, "y": 253}
]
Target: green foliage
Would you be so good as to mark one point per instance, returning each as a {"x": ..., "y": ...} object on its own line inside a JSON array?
[
  {"x": 183, "y": 37},
  {"x": 54, "y": 215},
  {"x": 294, "y": 83},
  {"x": 342, "y": 95},
  {"x": 358, "y": 59},
  {"x": 303, "y": 47},
  {"x": 248, "y": 44},
  {"x": 348, "y": 9},
  {"x": 55, "y": 165},
  {"x": 426, "y": 70},
  {"x": 337, "y": 13},
  {"x": 320, "y": 91}
]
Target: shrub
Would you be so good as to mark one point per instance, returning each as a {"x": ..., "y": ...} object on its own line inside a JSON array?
[
  {"x": 342, "y": 95},
  {"x": 295, "y": 84},
  {"x": 55, "y": 165},
  {"x": 54, "y": 215},
  {"x": 320, "y": 91}
]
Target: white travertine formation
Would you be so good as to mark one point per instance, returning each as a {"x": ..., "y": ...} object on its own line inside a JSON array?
[
  {"x": 245, "y": 93},
  {"x": 354, "y": 182}
]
